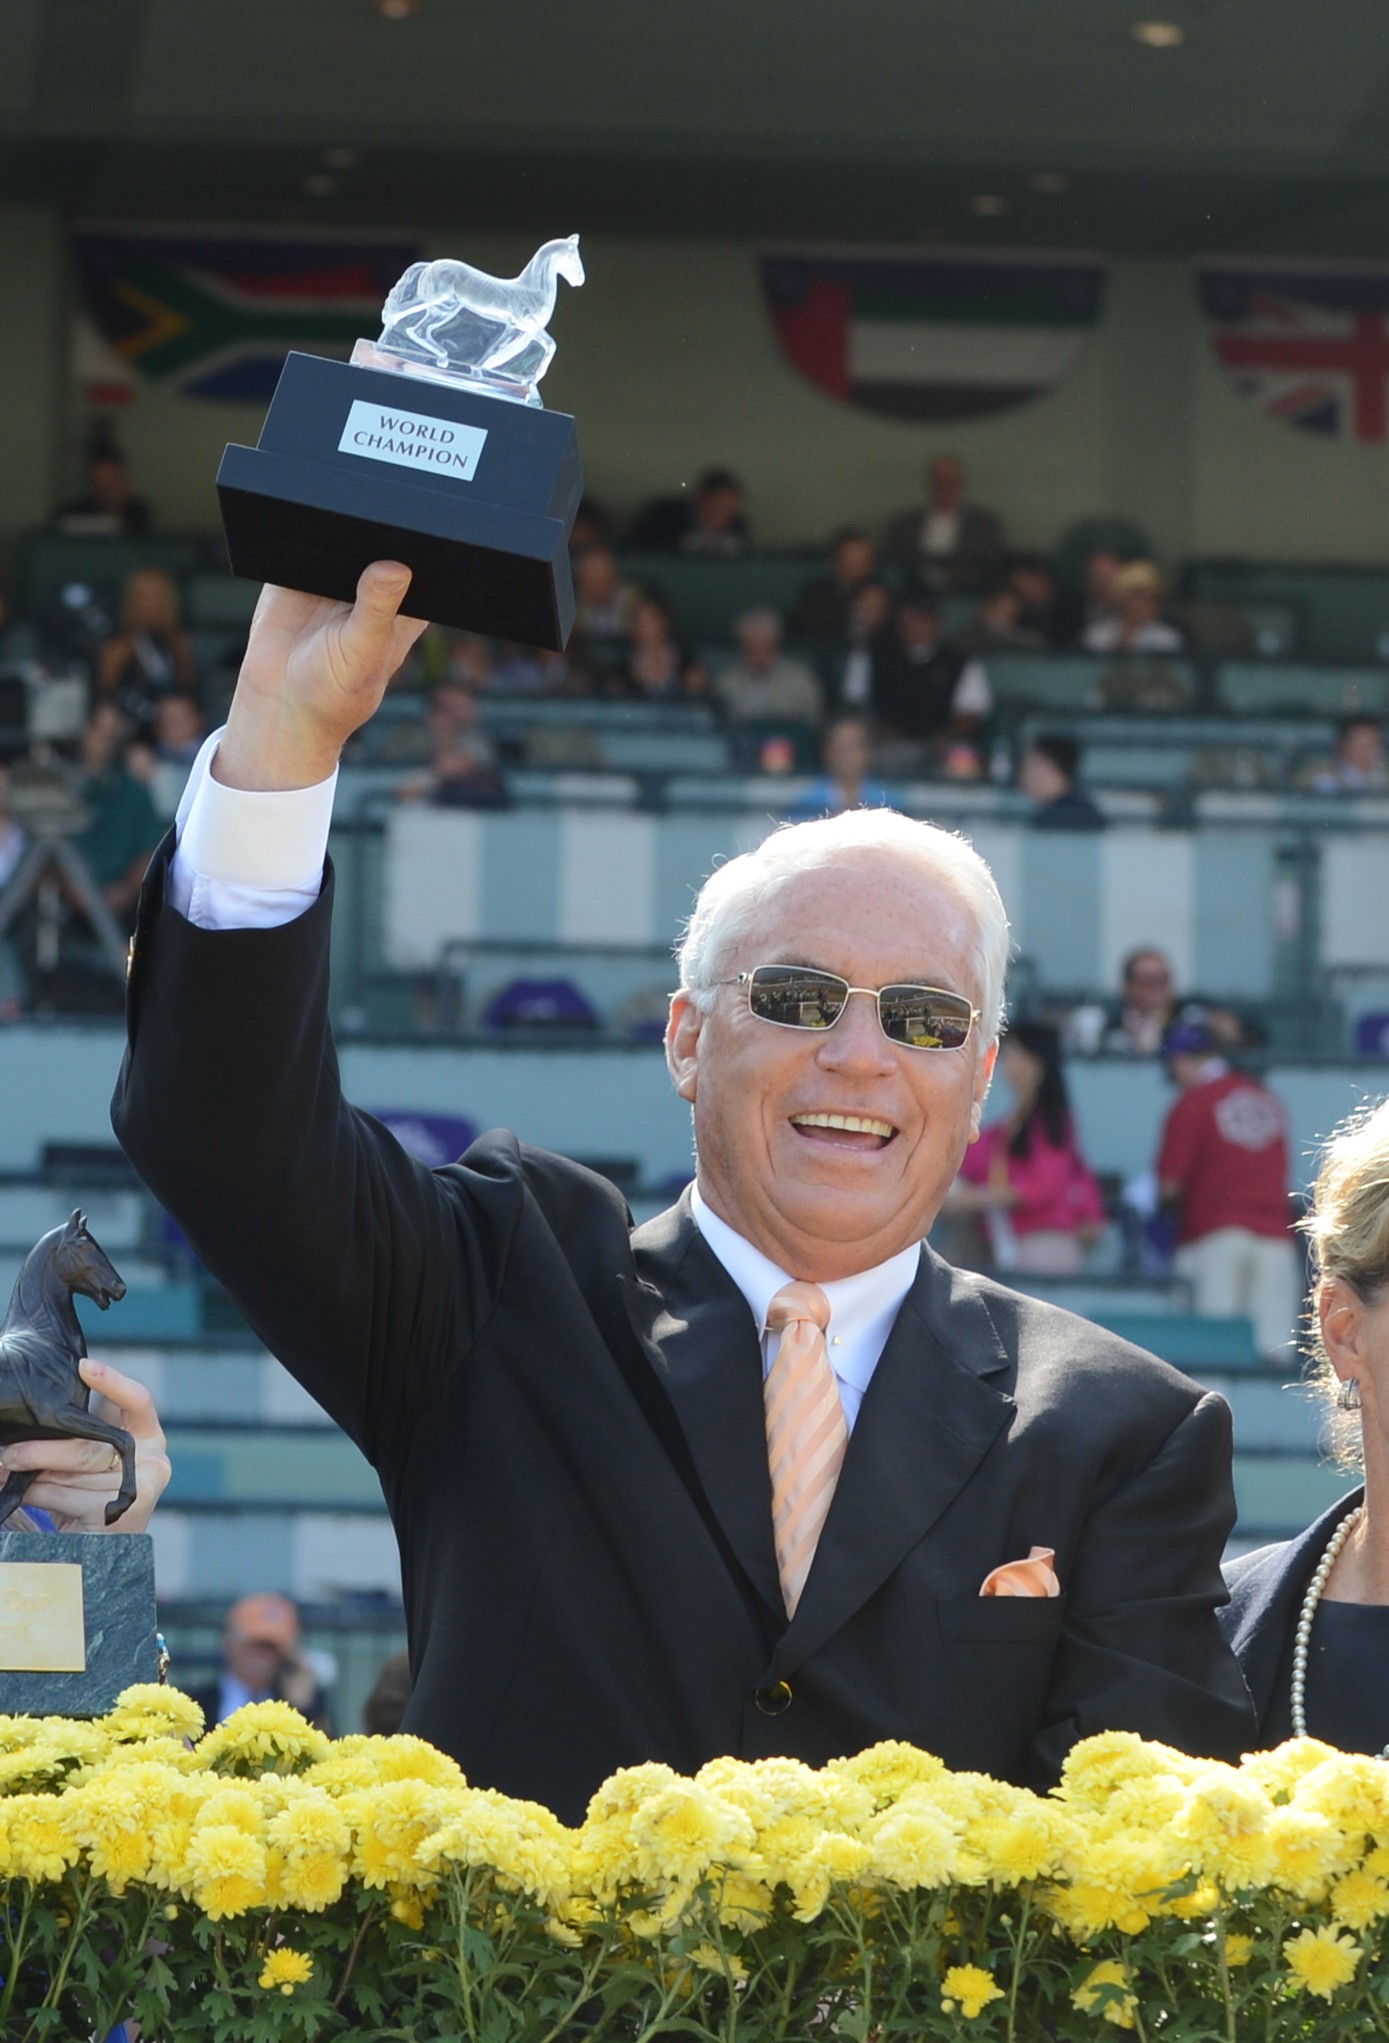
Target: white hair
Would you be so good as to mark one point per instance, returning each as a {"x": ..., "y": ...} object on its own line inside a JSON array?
[{"x": 730, "y": 896}]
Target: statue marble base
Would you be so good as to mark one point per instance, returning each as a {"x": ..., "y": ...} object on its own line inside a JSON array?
[
  {"x": 77, "y": 1621},
  {"x": 476, "y": 494}
]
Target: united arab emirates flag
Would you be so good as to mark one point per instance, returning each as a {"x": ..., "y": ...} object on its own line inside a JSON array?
[{"x": 932, "y": 334}]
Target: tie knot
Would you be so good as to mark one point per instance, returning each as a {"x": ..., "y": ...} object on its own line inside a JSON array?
[{"x": 798, "y": 1302}]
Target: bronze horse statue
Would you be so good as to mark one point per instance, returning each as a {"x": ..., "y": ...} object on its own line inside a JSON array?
[{"x": 42, "y": 1395}]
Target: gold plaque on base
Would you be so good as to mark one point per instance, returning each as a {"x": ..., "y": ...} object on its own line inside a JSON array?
[{"x": 41, "y": 1621}]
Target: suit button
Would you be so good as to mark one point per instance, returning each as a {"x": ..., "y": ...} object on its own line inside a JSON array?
[{"x": 772, "y": 1701}]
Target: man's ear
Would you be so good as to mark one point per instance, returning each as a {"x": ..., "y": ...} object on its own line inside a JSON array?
[
  {"x": 982, "y": 1079},
  {"x": 682, "y": 1044}
]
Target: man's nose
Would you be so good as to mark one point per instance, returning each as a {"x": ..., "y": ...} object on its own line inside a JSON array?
[{"x": 856, "y": 1039}]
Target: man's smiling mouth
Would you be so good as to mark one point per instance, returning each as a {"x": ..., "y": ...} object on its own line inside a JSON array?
[{"x": 849, "y": 1131}]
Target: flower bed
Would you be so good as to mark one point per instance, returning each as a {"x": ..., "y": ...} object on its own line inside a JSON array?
[{"x": 269, "y": 1883}]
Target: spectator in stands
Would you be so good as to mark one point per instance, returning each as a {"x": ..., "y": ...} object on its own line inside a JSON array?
[
  {"x": 1033, "y": 581},
  {"x": 151, "y": 655},
  {"x": 462, "y": 771},
  {"x": 1358, "y": 765},
  {"x": 1026, "y": 1178},
  {"x": 263, "y": 1661},
  {"x": 526, "y": 670},
  {"x": 764, "y": 684},
  {"x": 1223, "y": 1167},
  {"x": 603, "y": 600},
  {"x": 1049, "y": 774},
  {"x": 1147, "y": 1006},
  {"x": 1078, "y": 609},
  {"x": 74, "y": 1480},
  {"x": 384, "y": 1709},
  {"x": 949, "y": 542},
  {"x": 825, "y": 605},
  {"x": 997, "y": 625},
  {"x": 922, "y": 688},
  {"x": 108, "y": 508},
  {"x": 709, "y": 520},
  {"x": 1136, "y": 623},
  {"x": 657, "y": 666},
  {"x": 12, "y": 635},
  {"x": 867, "y": 635},
  {"x": 1307, "y": 1618},
  {"x": 124, "y": 829},
  {"x": 179, "y": 729},
  {"x": 845, "y": 784},
  {"x": 593, "y": 525},
  {"x": 14, "y": 839}
]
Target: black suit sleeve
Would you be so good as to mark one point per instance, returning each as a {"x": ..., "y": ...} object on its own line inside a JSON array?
[
  {"x": 362, "y": 1271},
  {"x": 1142, "y": 1645}
]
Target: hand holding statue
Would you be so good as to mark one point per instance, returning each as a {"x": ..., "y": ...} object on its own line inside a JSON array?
[{"x": 77, "y": 1479}]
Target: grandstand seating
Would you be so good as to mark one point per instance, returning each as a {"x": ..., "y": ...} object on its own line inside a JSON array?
[{"x": 1263, "y": 896}]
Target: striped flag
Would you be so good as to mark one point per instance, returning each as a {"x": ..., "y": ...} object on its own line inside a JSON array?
[
  {"x": 932, "y": 335},
  {"x": 215, "y": 315},
  {"x": 1307, "y": 342}
]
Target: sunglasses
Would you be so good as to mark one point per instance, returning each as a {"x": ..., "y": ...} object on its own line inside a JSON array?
[{"x": 802, "y": 997}]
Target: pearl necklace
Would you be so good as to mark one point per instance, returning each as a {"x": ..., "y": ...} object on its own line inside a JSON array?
[{"x": 1308, "y": 1612}]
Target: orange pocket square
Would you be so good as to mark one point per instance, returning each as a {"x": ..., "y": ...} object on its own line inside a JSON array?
[{"x": 1036, "y": 1576}]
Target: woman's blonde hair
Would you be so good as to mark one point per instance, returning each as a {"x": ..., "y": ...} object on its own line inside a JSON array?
[{"x": 1347, "y": 1228}]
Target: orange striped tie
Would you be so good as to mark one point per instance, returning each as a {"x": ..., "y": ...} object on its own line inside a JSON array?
[{"x": 806, "y": 1431}]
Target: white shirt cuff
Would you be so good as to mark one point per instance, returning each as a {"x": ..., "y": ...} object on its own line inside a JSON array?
[{"x": 245, "y": 859}]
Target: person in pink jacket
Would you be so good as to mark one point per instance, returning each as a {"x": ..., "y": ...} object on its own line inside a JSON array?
[{"x": 1025, "y": 1177}]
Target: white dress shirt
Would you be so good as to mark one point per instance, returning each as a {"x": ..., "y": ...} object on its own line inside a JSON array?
[
  {"x": 862, "y": 1307},
  {"x": 255, "y": 861}
]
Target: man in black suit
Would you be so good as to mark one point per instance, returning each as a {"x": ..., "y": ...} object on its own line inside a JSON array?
[{"x": 569, "y": 1417}]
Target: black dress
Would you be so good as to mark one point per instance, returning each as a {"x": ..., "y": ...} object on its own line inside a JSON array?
[{"x": 1347, "y": 1691}]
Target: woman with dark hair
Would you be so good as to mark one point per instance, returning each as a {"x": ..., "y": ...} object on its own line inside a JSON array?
[{"x": 1025, "y": 1176}]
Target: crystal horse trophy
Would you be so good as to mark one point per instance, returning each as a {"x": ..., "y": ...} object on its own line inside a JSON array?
[
  {"x": 449, "y": 321},
  {"x": 431, "y": 446}
]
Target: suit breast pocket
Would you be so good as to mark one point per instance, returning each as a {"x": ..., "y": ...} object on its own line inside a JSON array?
[{"x": 1000, "y": 1620}]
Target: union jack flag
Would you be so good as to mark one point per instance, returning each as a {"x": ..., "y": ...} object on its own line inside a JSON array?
[{"x": 1309, "y": 344}]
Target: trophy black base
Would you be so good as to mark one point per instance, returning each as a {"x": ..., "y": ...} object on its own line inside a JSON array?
[
  {"x": 475, "y": 494},
  {"x": 77, "y": 1621}
]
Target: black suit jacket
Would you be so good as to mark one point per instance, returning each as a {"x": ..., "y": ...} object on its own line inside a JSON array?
[
  {"x": 1266, "y": 1592},
  {"x": 567, "y": 1421}
]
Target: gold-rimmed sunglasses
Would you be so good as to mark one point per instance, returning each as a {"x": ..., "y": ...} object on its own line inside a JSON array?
[{"x": 803, "y": 997}]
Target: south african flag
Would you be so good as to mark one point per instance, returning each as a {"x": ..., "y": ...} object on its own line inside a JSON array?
[{"x": 216, "y": 314}]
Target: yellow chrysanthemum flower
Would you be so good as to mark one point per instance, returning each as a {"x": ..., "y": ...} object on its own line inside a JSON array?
[
  {"x": 226, "y": 1870},
  {"x": 1321, "y": 1960},
  {"x": 149, "y": 1710},
  {"x": 889, "y": 1768},
  {"x": 286, "y": 1969},
  {"x": 911, "y": 1844},
  {"x": 1238, "y": 1950},
  {"x": 682, "y": 1831},
  {"x": 970, "y": 1989},
  {"x": 263, "y": 1735},
  {"x": 1307, "y": 1851},
  {"x": 1359, "y": 1898},
  {"x": 1105, "y": 1990},
  {"x": 41, "y": 1847},
  {"x": 1097, "y": 1766}
]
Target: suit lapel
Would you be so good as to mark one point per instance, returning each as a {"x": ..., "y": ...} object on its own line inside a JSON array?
[
  {"x": 698, "y": 1335},
  {"x": 928, "y": 1418}
]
